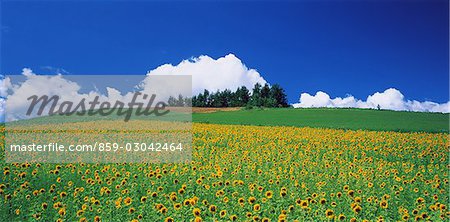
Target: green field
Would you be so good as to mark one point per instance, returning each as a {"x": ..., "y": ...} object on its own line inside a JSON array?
[
  {"x": 354, "y": 119},
  {"x": 380, "y": 120}
]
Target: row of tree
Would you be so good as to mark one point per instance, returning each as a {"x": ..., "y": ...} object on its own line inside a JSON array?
[{"x": 261, "y": 96}]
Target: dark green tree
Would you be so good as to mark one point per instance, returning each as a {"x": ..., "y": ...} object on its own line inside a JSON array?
[
  {"x": 172, "y": 101},
  {"x": 188, "y": 102},
  {"x": 206, "y": 98},
  {"x": 279, "y": 96},
  {"x": 262, "y": 96},
  {"x": 256, "y": 99},
  {"x": 241, "y": 97},
  {"x": 265, "y": 91},
  {"x": 180, "y": 101}
]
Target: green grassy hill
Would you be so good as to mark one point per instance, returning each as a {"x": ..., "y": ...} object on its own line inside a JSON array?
[{"x": 332, "y": 118}]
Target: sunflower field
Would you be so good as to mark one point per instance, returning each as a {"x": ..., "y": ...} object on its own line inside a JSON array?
[{"x": 247, "y": 173}]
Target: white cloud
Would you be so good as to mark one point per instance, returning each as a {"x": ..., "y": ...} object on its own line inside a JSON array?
[
  {"x": 15, "y": 103},
  {"x": 391, "y": 99},
  {"x": 16, "y": 95},
  {"x": 5, "y": 85},
  {"x": 322, "y": 99},
  {"x": 226, "y": 72}
]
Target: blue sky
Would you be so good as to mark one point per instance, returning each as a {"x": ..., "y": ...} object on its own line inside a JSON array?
[{"x": 340, "y": 47}]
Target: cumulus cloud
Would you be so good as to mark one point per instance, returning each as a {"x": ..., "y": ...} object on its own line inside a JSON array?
[
  {"x": 391, "y": 99},
  {"x": 15, "y": 103},
  {"x": 226, "y": 72}
]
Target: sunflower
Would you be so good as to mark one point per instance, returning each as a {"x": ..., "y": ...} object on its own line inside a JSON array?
[
  {"x": 323, "y": 201},
  {"x": 329, "y": 213},
  {"x": 196, "y": 212},
  {"x": 424, "y": 215},
  {"x": 351, "y": 193},
  {"x": 127, "y": 201},
  {"x": 384, "y": 204},
  {"x": 269, "y": 194},
  {"x": 62, "y": 211},
  {"x": 357, "y": 209},
  {"x": 291, "y": 208},
  {"x": 420, "y": 200},
  {"x": 304, "y": 204},
  {"x": 168, "y": 219},
  {"x": 405, "y": 217},
  {"x": 36, "y": 216},
  {"x": 212, "y": 208}
]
